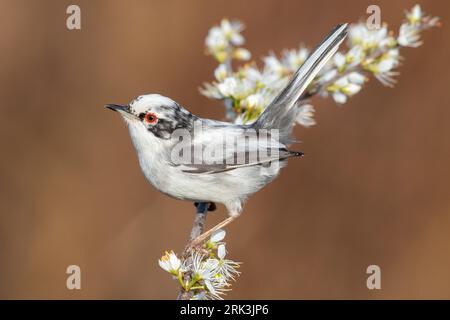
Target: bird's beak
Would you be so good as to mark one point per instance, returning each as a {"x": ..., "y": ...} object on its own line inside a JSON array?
[
  {"x": 123, "y": 110},
  {"x": 116, "y": 107}
]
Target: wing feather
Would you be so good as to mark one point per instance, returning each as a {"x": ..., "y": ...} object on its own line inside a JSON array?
[{"x": 228, "y": 147}]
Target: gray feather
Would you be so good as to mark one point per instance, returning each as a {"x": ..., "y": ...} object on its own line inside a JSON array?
[{"x": 280, "y": 114}]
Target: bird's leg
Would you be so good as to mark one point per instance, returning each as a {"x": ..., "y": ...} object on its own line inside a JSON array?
[
  {"x": 201, "y": 238},
  {"x": 211, "y": 205}
]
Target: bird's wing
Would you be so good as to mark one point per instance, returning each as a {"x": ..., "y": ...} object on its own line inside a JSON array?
[{"x": 227, "y": 147}]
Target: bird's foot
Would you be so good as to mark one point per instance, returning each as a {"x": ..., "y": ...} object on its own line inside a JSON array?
[
  {"x": 198, "y": 242},
  {"x": 194, "y": 246}
]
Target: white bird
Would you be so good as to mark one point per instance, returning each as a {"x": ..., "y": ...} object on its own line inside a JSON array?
[{"x": 157, "y": 125}]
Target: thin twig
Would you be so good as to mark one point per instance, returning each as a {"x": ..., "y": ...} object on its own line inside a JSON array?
[{"x": 198, "y": 227}]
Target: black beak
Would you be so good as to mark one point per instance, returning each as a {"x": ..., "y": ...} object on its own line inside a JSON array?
[{"x": 116, "y": 107}]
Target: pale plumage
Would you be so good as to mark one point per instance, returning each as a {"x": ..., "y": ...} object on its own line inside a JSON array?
[{"x": 156, "y": 123}]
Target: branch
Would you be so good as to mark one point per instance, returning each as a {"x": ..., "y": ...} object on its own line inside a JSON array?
[{"x": 198, "y": 227}]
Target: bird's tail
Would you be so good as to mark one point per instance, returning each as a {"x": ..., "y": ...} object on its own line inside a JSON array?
[{"x": 280, "y": 113}]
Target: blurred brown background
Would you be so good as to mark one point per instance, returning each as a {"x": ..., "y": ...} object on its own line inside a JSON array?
[{"x": 373, "y": 188}]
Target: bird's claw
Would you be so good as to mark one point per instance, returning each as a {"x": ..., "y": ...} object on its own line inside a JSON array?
[{"x": 196, "y": 246}]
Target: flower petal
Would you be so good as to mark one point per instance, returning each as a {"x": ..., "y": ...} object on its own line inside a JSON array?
[
  {"x": 218, "y": 235},
  {"x": 221, "y": 252}
]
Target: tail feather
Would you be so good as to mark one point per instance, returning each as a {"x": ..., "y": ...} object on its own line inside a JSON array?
[{"x": 280, "y": 114}]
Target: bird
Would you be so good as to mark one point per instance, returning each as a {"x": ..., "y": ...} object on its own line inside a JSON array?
[{"x": 157, "y": 124}]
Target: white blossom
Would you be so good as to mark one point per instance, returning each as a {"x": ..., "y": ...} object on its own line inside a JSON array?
[
  {"x": 232, "y": 31},
  {"x": 339, "y": 97},
  {"x": 414, "y": 16},
  {"x": 211, "y": 91},
  {"x": 368, "y": 39},
  {"x": 206, "y": 272},
  {"x": 328, "y": 75},
  {"x": 242, "y": 54},
  {"x": 273, "y": 65},
  {"x": 170, "y": 263},
  {"x": 221, "y": 252},
  {"x": 200, "y": 269},
  {"x": 345, "y": 87},
  {"x": 235, "y": 87},
  {"x": 293, "y": 59},
  {"x": 228, "y": 87},
  {"x": 210, "y": 272},
  {"x": 339, "y": 60},
  {"x": 221, "y": 72},
  {"x": 356, "y": 78},
  {"x": 409, "y": 36},
  {"x": 383, "y": 67},
  {"x": 218, "y": 236},
  {"x": 248, "y": 90},
  {"x": 227, "y": 269},
  {"x": 305, "y": 115},
  {"x": 354, "y": 56},
  {"x": 216, "y": 39},
  {"x": 223, "y": 41},
  {"x": 387, "y": 78},
  {"x": 257, "y": 100}
]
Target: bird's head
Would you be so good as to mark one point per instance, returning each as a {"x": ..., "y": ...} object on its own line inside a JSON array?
[{"x": 159, "y": 115}]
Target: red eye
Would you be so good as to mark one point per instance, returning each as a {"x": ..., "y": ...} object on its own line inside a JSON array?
[{"x": 150, "y": 118}]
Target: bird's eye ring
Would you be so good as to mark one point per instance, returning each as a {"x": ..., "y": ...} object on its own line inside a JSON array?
[{"x": 150, "y": 118}]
